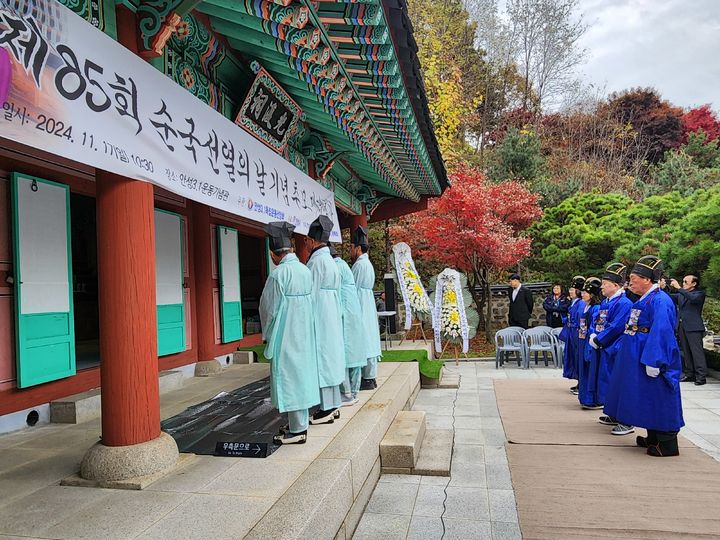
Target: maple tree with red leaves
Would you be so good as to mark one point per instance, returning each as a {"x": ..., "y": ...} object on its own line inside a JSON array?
[
  {"x": 475, "y": 227},
  {"x": 701, "y": 118}
]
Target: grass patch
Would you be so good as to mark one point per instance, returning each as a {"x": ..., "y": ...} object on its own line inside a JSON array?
[
  {"x": 429, "y": 368},
  {"x": 259, "y": 351}
]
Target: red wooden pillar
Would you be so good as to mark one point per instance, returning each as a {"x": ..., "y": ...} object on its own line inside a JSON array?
[
  {"x": 302, "y": 249},
  {"x": 204, "y": 311},
  {"x": 127, "y": 306},
  {"x": 358, "y": 221},
  {"x": 127, "y": 303}
]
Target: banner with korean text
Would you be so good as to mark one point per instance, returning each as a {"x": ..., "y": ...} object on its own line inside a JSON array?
[{"x": 76, "y": 93}]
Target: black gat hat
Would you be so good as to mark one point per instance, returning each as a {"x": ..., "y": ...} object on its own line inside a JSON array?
[
  {"x": 650, "y": 267},
  {"x": 578, "y": 282},
  {"x": 279, "y": 235},
  {"x": 593, "y": 286},
  {"x": 321, "y": 228},
  {"x": 616, "y": 272},
  {"x": 360, "y": 237}
]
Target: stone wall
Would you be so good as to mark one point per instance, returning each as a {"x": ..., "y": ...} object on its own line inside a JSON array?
[{"x": 501, "y": 309}]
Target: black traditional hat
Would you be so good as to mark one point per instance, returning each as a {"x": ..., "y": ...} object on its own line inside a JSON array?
[
  {"x": 321, "y": 228},
  {"x": 360, "y": 237},
  {"x": 578, "y": 282},
  {"x": 593, "y": 286},
  {"x": 616, "y": 272},
  {"x": 650, "y": 267},
  {"x": 280, "y": 235},
  {"x": 333, "y": 250}
]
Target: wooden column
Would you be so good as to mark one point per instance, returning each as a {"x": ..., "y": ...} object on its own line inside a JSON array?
[
  {"x": 204, "y": 312},
  {"x": 358, "y": 221},
  {"x": 127, "y": 302},
  {"x": 128, "y": 312},
  {"x": 302, "y": 250}
]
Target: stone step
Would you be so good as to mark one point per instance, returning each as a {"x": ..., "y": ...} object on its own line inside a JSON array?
[
  {"x": 435, "y": 453},
  {"x": 400, "y": 448},
  {"x": 86, "y": 406}
]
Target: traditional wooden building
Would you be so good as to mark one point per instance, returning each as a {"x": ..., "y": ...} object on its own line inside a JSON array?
[{"x": 117, "y": 262}]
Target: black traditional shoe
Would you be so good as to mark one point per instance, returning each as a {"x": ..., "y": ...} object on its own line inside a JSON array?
[
  {"x": 642, "y": 442},
  {"x": 608, "y": 421},
  {"x": 574, "y": 388},
  {"x": 685, "y": 378},
  {"x": 374, "y": 383},
  {"x": 322, "y": 417},
  {"x": 367, "y": 384},
  {"x": 290, "y": 438},
  {"x": 592, "y": 407},
  {"x": 700, "y": 383},
  {"x": 336, "y": 414},
  {"x": 663, "y": 450}
]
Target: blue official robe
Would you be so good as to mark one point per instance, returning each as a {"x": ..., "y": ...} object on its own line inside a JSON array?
[
  {"x": 328, "y": 318},
  {"x": 588, "y": 359},
  {"x": 286, "y": 315},
  {"x": 352, "y": 317},
  {"x": 569, "y": 335},
  {"x": 364, "y": 274},
  {"x": 610, "y": 325},
  {"x": 633, "y": 397}
]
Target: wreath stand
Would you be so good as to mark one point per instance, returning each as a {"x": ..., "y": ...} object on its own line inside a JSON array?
[
  {"x": 417, "y": 327},
  {"x": 457, "y": 354}
]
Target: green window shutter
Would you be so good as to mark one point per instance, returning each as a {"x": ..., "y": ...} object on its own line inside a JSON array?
[
  {"x": 230, "y": 298},
  {"x": 44, "y": 324},
  {"x": 169, "y": 282}
]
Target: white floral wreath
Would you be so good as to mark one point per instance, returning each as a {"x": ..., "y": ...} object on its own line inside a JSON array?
[
  {"x": 414, "y": 295},
  {"x": 449, "y": 317}
]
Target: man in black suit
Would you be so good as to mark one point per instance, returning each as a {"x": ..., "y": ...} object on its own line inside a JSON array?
[
  {"x": 521, "y": 303},
  {"x": 690, "y": 301}
]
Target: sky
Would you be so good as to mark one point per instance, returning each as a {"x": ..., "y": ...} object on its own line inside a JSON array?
[{"x": 671, "y": 45}]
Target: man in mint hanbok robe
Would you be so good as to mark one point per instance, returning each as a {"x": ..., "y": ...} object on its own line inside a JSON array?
[
  {"x": 645, "y": 386},
  {"x": 610, "y": 325},
  {"x": 328, "y": 321},
  {"x": 364, "y": 274},
  {"x": 352, "y": 322},
  {"x": 286, "y": 315}
]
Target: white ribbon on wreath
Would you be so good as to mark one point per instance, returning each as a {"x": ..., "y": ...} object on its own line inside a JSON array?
[
  {"x": 449, "y": 279},
  {"x": 403, "y": 254}
]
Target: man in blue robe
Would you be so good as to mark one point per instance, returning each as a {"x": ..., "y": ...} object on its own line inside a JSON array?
[
  {"x": 569, "y": 334},
  {"x": 364, "y": 274},
  {"x": 286, "y": 315},
  {"x": 354, "y": 339},
  {"x": 328, "y": 321},
  {"x": 610, "y": 325},
  {"x": 645, "y": 386},
  {"x": 588, "y": 357}
]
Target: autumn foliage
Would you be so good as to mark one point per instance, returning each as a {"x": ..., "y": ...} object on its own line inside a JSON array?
[
  {"x": 701, "y": 118},
  {"x": 475, "y": 227}
]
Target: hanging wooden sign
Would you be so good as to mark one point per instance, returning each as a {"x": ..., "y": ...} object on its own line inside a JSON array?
[{"x": 268, "y": 112}]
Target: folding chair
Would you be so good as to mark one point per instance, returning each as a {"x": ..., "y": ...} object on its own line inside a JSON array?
[
  {"x": 509, "y": 340},
  {"x": 559, "y": 346},
  {"x": 540, "y": 340}
]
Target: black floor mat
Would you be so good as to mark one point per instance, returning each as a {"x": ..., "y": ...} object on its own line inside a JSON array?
[{"x": 240, "y": 423}]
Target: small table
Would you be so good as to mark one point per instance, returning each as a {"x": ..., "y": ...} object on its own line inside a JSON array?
[{"x": 386, "y": 315}]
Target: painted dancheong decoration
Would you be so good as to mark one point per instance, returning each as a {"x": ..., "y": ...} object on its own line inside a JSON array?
[
  {"x": 454, "y": 318},
  {"x": 417, "y": 302}
]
